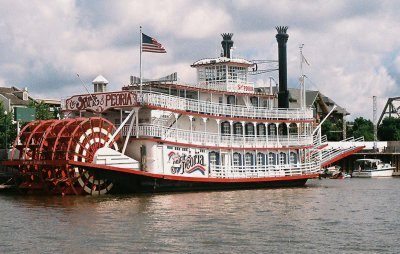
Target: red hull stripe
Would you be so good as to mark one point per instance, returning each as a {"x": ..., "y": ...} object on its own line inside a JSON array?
[{"x": 90, "y": 166}]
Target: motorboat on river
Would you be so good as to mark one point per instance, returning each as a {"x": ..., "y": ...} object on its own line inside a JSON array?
[{"x": 372, "y": 168}]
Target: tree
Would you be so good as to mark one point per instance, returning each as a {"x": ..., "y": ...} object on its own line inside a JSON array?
[
  {"x": 362, "y": 128},
  {"x": 331, "y": 130},
  {"x": 8, "y": 129},
  {"x": 42, "y": 111},
  {"x": 389, "y": 129}
]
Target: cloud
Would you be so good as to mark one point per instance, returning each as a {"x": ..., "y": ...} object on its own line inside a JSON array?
[{"x": 352, "y": 46}]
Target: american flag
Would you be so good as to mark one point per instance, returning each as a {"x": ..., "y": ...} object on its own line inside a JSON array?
[{"x": 151, "y": 45}]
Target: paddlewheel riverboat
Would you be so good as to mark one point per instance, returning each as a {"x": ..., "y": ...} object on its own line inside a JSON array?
[{"x": 162, "y": 135}]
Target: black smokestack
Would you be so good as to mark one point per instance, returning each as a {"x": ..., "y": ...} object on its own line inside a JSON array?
[
  {"x": 283, "y": 95},
  {"x": 227, "y": 44}
]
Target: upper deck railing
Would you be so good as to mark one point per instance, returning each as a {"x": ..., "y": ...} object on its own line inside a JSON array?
[{"x": 218, "y": 109}]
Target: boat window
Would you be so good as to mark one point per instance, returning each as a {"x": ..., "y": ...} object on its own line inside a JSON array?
[
  {"x": 238, "y": 128},
  {"x": 271, "y": 159},
  {"x": 272, "y": 129},
  {"x": 282, "y": 158},
  {"x": 221, "y": 73},
  {"x": 232, "y": 74},
  {"x": 236, "y": 159},
  {"x": 260, "y": 129},
  {"x": 225, "y": 128},
  {"x": 265, "y": 103},
  {"x": 293, "y": 157},
  {"x": 260, "y": 159},
  {"x": 210, "y": 74},
  {"x": 282, "y": 129},
  {"x": 214, "y": 158},
  {"x": 231, "y": 100},
  {"x": 254, "y": 101},
  {"x": 250, "y": 129},
  {"x": 249, "y": 159},
  {"x": 293, "y": 128}
]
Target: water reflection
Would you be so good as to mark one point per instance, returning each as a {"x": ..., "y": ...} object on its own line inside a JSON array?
[{"x": 328, "y": 213}]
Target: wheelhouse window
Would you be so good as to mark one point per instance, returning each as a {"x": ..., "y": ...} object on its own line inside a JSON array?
[
  {"x": 237, "y": 74},
  {"x": 212, "y": 75}
]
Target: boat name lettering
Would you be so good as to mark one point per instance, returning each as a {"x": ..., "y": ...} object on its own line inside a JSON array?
[
  {"x": 119, "y": 99},
  {"x": 186, "y": 163},
  {"x": 245, "y": 88},
  {"x": 100, "y": 102}
]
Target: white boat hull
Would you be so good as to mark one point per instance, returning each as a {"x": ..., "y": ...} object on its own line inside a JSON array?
[{"x": 374, "y": 173}]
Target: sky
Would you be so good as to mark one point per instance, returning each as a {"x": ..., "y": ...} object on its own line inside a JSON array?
[{"x": 353, "y": 47}]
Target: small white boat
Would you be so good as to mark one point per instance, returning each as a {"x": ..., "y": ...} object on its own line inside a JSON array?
[{"x": 372, "y": 168}]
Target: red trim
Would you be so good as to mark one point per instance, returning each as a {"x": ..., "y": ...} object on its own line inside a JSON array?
[
  {"x": 221, "y": 147},
  {"x": 227, "y": 117},
  {"x": 152, "y": 175},
  {"x": 322, "y": 146},
  {"x": 192, "y": 179}
]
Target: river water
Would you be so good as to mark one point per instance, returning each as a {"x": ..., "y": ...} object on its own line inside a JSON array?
[{"x": 331, "y": 216}]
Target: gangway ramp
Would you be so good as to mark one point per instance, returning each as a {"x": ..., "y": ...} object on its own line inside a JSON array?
[{"x": 335, "y": 151}]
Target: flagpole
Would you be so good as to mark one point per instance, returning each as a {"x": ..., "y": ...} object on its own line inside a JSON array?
[{"x": 140, "y": 59}]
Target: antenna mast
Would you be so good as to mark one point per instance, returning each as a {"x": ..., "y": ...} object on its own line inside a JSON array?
[
  {"x": 301, "y": 79},
  {"x": 374, "y": 116}
]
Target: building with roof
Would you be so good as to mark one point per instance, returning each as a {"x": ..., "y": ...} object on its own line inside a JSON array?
[
  {"x": 12, "y": 97},
  {"x": 321, "y": 104}
]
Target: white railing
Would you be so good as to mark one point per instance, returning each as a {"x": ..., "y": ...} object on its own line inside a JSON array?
[
  {"x": 349, "y": 144},
  {"x": 219, "y": 109},
  {"x": 215, "y": 139},
  {"x": 264, "y": 170}
]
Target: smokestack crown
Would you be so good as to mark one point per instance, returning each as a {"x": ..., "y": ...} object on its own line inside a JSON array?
[{"x": 227, "y": 44}]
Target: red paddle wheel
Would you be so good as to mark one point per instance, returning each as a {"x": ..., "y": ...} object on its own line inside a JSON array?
[{"x": 42, "y": 150}]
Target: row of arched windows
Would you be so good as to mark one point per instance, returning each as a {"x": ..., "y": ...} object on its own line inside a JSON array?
[
  {"x": 252, "y": 159},
  {"x": 261, "y": 128}
]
